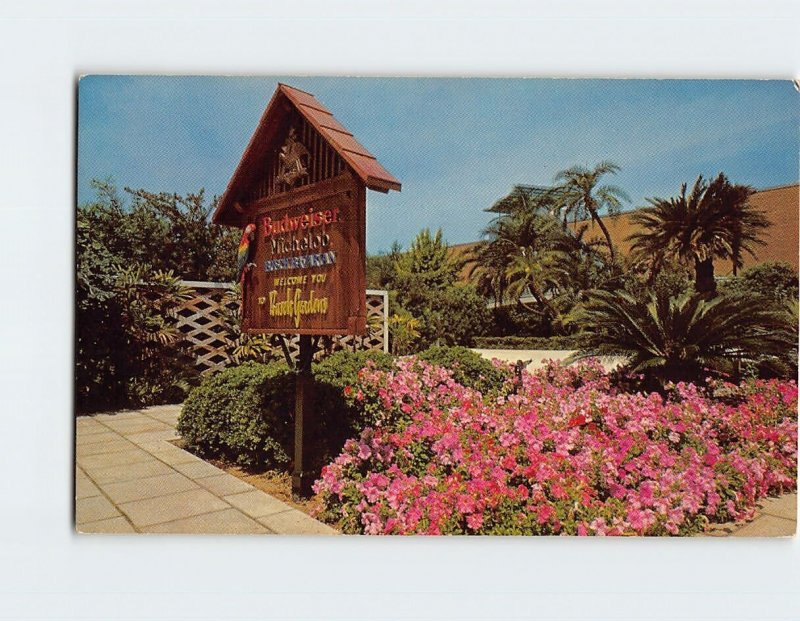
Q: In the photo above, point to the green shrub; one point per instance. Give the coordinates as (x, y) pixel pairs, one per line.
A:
(526, 342)
(468, 368)
(243, 414)
(341, 416)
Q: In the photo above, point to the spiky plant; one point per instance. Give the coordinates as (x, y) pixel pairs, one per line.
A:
(682, 338)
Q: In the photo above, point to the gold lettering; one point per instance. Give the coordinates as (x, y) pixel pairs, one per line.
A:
(295, 306)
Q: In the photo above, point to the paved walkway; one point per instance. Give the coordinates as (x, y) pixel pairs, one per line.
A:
(775, 517)
(130, 478)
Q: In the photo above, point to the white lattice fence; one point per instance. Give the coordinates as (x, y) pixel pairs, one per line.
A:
(207, 322)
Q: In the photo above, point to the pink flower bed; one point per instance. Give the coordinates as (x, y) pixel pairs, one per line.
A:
(566, 454)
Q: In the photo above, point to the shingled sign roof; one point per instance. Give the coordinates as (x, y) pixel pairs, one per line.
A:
(285, 99)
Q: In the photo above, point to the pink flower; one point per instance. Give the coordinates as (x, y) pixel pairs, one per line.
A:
(475, 521)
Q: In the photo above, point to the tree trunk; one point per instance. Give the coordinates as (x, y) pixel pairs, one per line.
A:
(607, 235)
(704, 277)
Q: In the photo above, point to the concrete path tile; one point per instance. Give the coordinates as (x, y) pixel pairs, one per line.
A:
(225, 485)
(295, 522)
(97, 438)
(88, 426)
(783, 507)
(168, 409)
(151, 487)
(153, 511)
(142, 425)
(129, 472)
(168, 416)
(148, 437)
(84, 488)
(97, 448)
(226, 522)
(169, 453)
(113, 525)
(93, 509)
(256, 503)
(118, 416)
(108, 460)
(767, 526)
(198, 469)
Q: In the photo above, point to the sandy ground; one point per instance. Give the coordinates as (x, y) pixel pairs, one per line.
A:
(537, 357)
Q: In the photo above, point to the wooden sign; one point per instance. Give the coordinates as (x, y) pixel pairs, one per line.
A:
(309, 263)
(302, 182)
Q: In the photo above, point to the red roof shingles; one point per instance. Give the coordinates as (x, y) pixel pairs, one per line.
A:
(363, 163)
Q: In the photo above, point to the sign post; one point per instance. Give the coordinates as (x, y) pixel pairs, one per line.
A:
(299, 192)
(303, 410)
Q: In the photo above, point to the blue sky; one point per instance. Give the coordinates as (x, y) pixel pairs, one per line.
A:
(456, 144)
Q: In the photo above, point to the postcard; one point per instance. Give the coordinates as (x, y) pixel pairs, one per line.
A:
(431, 306)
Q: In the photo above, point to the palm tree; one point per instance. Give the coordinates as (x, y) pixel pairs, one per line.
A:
(539, 272)
(582, 198)
(681, 338)
(715, 220)
(524, 220)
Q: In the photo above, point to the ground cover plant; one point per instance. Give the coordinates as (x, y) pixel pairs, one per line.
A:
(556, 452)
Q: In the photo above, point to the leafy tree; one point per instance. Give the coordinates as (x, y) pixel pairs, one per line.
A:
(538, 272)
(455, 317)
(166, 231)
(423, 271)
(776, 281)
(581, 196)
(714, 220)
(683, 338)
(130, 257)
(381, 268)
(98, 335)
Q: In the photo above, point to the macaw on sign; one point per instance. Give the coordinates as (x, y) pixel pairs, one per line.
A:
(243, 259)
(243, 264)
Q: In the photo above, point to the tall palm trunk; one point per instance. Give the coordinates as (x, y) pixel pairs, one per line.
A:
(596, 217)
(704, 281)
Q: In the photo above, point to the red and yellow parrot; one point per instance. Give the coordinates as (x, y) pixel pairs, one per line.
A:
(245, 255)
(243, 263)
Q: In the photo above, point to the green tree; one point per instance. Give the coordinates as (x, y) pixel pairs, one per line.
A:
(124, 329)
(381, 268)
(456, 316)
(531, 251)
(581, 196)
(714, 221)
(163, 230)
(425, 270)
(776, 281)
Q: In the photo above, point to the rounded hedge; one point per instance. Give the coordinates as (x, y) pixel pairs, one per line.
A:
(468, 368)
(242, 414)
(245, 414)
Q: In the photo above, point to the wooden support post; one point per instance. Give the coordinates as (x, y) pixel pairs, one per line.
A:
(302, 478)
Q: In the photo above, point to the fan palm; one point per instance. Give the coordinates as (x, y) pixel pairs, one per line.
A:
(681, 338)
(582, 197)
(714, 220)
